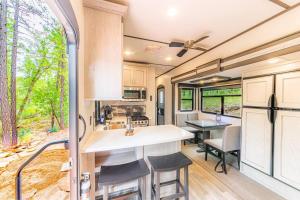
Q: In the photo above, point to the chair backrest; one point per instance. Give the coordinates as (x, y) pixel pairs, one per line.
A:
(192, 116)
(231, 138)
(180, 120)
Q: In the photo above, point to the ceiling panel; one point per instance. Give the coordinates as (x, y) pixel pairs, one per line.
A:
(220, 19)
(159, 56)
(290, 2)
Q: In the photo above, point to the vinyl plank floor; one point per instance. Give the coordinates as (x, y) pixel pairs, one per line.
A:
(206, 184)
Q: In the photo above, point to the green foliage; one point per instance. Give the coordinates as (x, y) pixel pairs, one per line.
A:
(25, 135)
(41, 62)
(222, 92)
(53, 129)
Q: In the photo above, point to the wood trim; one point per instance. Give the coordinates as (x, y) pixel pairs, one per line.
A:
(106, 6)
(217, 61)
(187, 85)
(173, 103)
(267, 56)
(145, 39)
(243, 32)
(281, 4)
(208, 72)
(263, 46)
(235, 81)
(183, 74)
(146, 63)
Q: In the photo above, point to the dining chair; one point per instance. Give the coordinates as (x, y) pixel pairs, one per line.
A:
(180, 122)
(229, 143)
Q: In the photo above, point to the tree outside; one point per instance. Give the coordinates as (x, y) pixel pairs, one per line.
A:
(33, 88)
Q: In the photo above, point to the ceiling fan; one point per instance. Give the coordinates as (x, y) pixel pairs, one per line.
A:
(190, 44)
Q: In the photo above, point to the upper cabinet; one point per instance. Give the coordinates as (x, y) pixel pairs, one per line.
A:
(134, 76)
(103, 50)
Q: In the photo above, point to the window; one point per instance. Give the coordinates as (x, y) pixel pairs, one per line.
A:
(225, 101)
(186, 100)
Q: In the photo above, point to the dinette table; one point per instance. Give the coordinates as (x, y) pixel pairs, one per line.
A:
(205, 126)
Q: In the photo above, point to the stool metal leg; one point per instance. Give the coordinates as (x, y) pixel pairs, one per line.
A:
(178, 182)
(152, 184)
(157, 186)
(186, 183)
(105, 192)
(143, 187)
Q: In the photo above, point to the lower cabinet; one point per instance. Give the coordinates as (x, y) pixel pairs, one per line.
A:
(256, 139)
(287, 148)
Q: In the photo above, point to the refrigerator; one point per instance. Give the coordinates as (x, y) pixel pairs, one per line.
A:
(271, 125)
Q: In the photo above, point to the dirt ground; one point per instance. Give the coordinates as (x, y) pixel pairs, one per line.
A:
(43, 178)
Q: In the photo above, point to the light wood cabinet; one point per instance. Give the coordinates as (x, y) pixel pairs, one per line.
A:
(257, 139)
(257, 91)
(103, 59)
(134, 76)
(287, 148)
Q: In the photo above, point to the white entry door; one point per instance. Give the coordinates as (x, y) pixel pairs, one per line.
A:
(287, 148)
(257, 139)
(257, 91)
(287, 90)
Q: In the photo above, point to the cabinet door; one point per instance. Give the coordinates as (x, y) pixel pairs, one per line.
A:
(287, 148)
(103, 57)
(127, 77)
(139, 77)
(256, 139)
(257, 91)
(287, 87)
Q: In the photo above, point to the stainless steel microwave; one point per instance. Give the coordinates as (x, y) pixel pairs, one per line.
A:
(134, 94)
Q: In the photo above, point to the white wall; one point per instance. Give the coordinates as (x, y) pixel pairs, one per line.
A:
(276, 28)
(86, 108)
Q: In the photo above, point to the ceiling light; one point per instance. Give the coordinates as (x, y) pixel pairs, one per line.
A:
(168, 58)
(128, 53)
(172, 12)
(273, 60)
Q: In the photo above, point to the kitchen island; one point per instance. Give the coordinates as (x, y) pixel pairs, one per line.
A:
(113, 147)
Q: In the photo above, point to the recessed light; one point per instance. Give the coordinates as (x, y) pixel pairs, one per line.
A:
(172, 12)
(273, 60)
(168, 58)
(128, 53)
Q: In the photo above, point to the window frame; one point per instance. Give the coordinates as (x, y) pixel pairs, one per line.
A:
(222, 100)
(180, 99)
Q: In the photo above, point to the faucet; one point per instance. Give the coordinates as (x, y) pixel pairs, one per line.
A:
(129, 129)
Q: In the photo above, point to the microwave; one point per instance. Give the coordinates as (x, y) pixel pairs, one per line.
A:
(134, 94)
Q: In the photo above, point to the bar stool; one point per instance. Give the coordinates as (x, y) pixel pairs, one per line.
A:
(169, 163)
(118, 174)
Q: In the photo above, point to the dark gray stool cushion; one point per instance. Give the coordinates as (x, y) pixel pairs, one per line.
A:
(116, 174)
(169, 162)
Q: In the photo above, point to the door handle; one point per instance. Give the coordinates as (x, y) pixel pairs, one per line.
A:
(84, 127)
(271, 100)
(270, 113)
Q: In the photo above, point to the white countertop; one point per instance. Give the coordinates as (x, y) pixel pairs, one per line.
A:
(115, 139)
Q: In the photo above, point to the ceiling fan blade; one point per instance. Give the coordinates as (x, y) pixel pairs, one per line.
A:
(182, 52)
(199, 48)
(176, 44)
(200, 39)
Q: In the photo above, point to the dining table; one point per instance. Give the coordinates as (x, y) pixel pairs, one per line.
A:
(205, 126)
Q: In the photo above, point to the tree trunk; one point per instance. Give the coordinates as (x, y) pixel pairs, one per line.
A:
(62, 94)
(13, 75)
(29, 90)
(4, 101)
